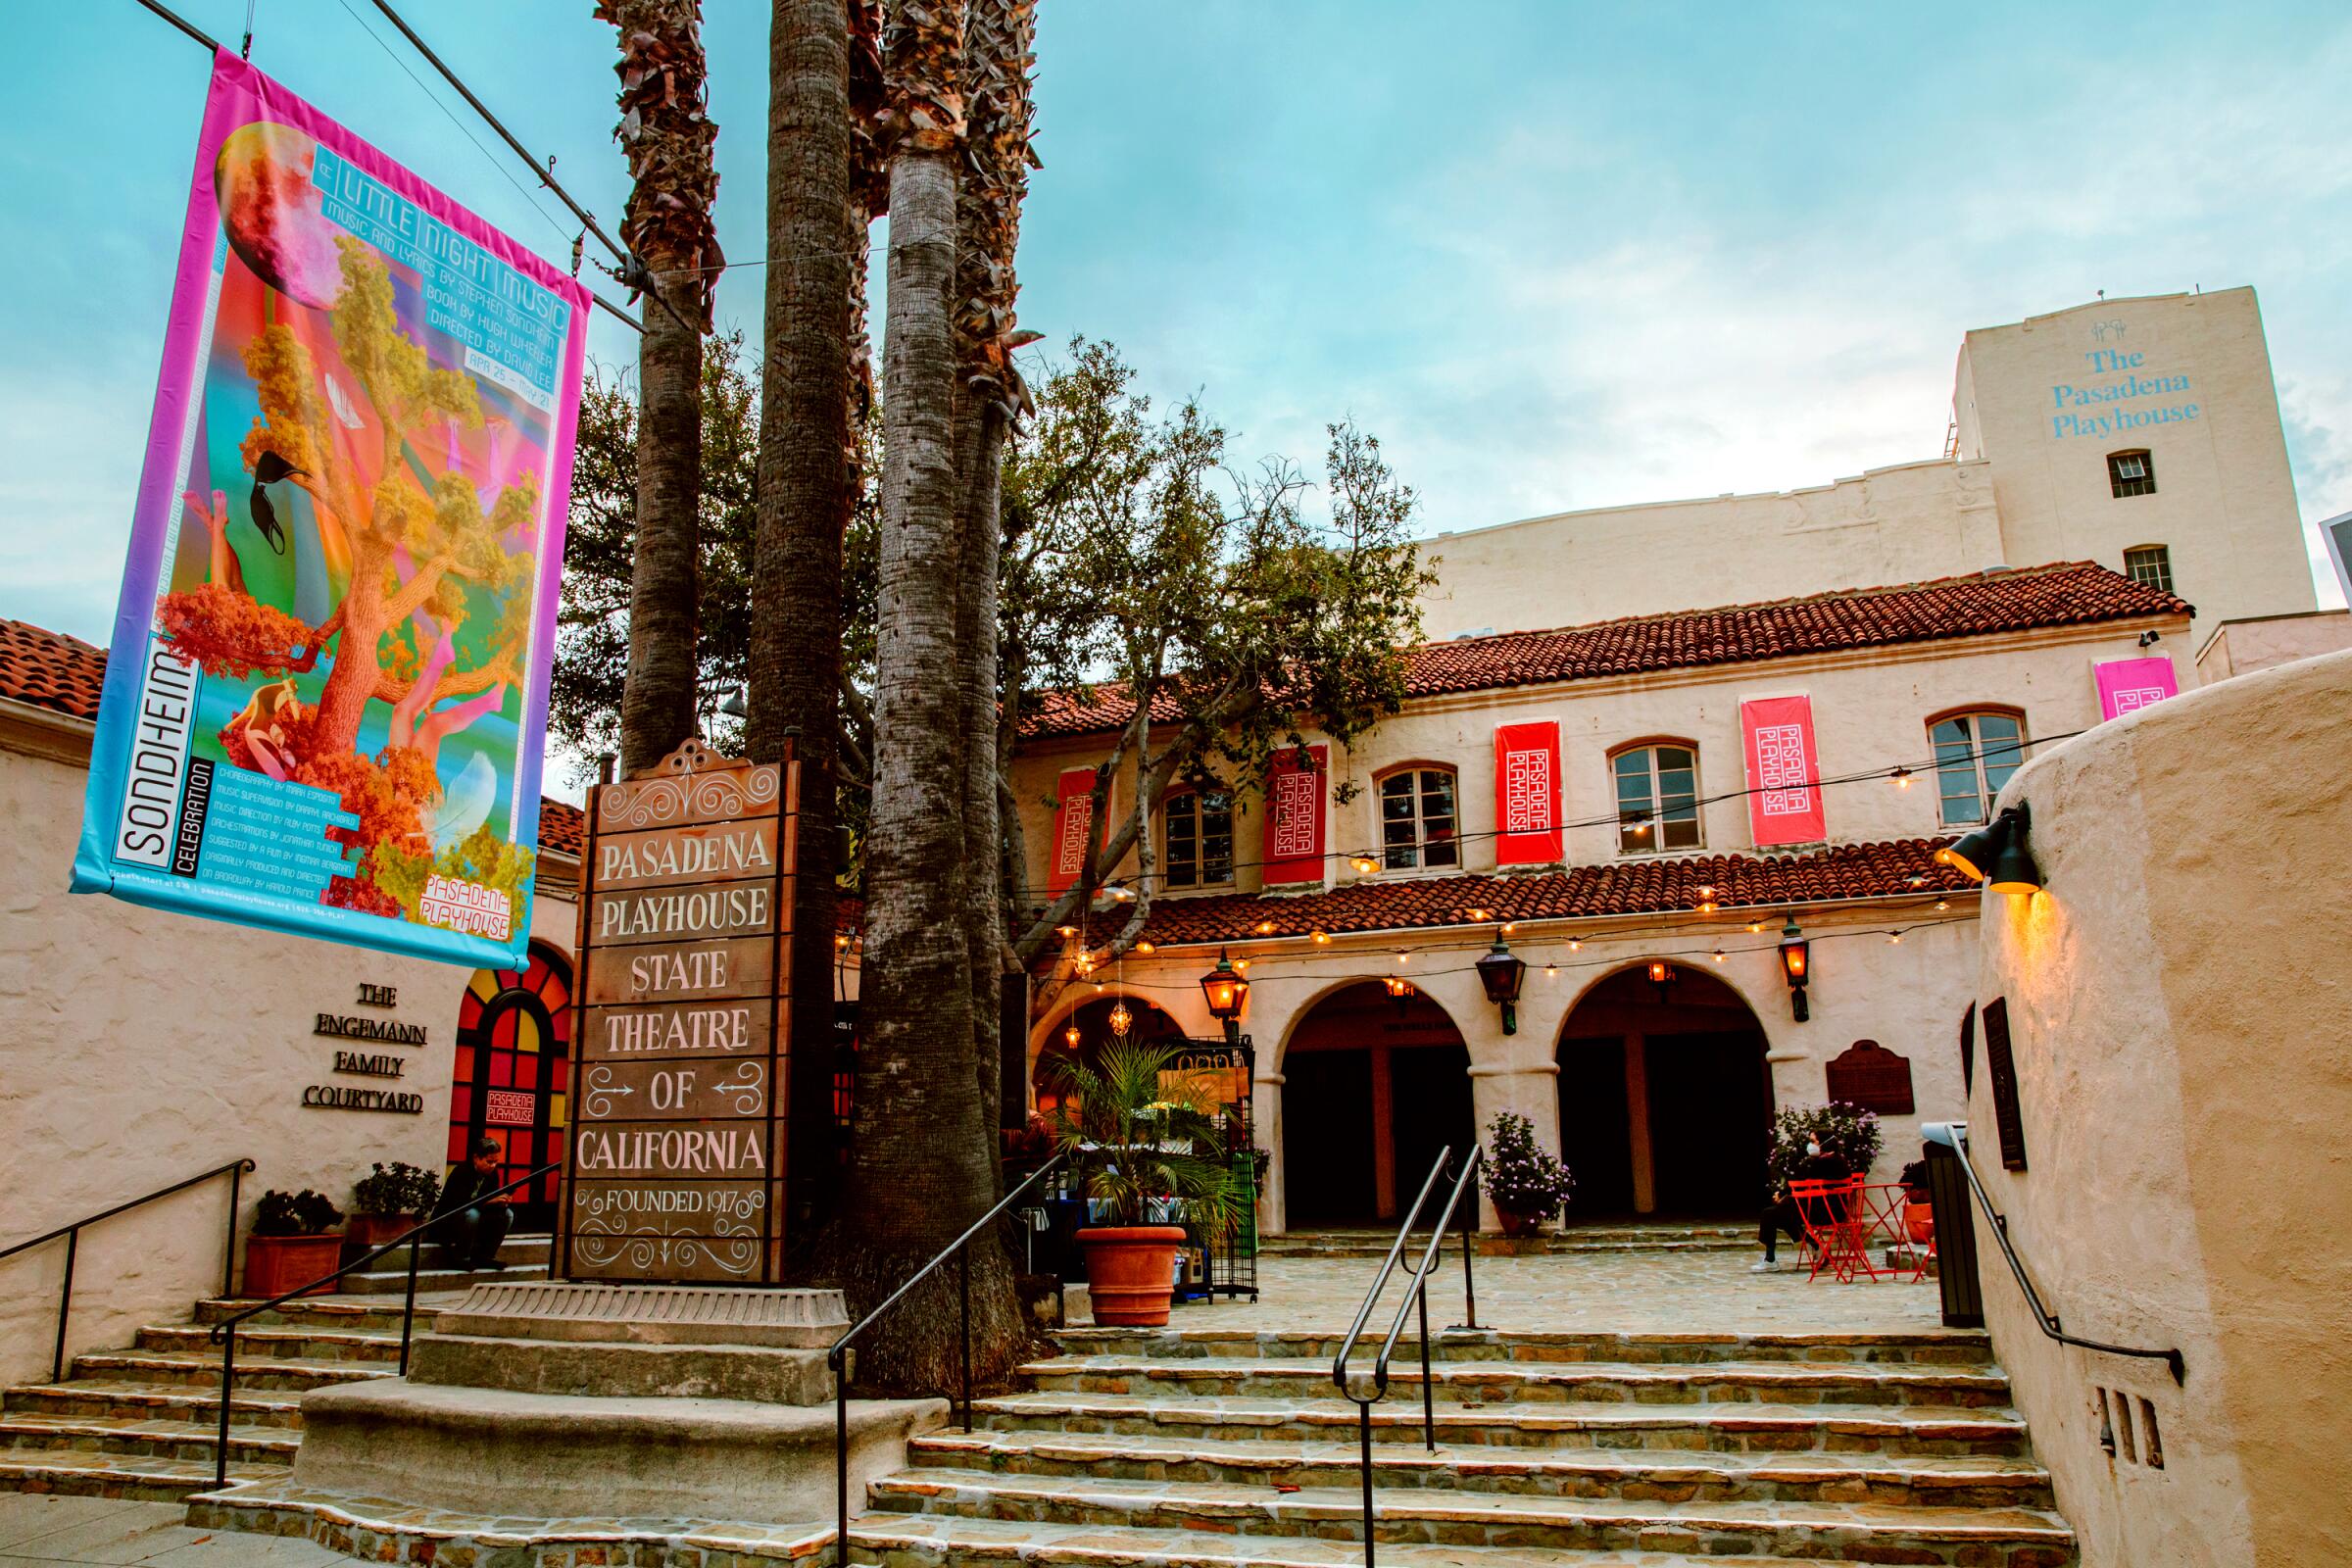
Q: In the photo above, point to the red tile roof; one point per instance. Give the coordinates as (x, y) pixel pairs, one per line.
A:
(2071, 593)
(64, 675)
(1639, 885)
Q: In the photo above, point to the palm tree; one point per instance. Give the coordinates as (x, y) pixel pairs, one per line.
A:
(808, 485)
(668, 139)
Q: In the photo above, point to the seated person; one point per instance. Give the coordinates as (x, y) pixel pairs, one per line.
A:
(470, 1227)
(1783, 1214)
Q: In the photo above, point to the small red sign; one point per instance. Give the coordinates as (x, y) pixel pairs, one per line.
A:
(1295, 815)
(1784, 778)
(1526, 793)
(510, 1108)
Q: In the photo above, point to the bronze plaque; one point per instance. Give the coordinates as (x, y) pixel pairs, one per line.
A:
(646, 1091)
(708, 1030)
(682, 971)
(717, 851)
(1869, 1075)
(635, 1230)
(733, 1150)
(690, 914)
(725, 792)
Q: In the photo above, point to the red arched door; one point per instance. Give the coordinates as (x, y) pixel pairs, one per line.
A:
(514, 1076)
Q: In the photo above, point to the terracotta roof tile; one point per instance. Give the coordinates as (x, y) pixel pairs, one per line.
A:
(66, 675)
(1635, 886)
(2070, 593)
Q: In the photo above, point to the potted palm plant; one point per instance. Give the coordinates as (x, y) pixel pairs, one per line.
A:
(293, 1241)
(1144, 1150)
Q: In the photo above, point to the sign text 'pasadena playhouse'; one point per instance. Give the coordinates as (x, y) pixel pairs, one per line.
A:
(676, 1143)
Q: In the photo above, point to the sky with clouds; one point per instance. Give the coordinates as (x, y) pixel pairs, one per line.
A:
(1556, 254)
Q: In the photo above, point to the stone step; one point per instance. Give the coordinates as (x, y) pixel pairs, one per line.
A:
(132, 1478)
(358, 1313)
(1577, 1240)
(259, 1342)
(937, 1541)
(147, 1439)
(1933, 1348)
(394, 1281)
(1512, 1382)
(1903, 1431)
(201, 1370)
(1991, 1538)
(1653, 1476)
(110, 1399)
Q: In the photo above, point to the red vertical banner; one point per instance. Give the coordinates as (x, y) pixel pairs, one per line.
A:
(1295, 802)
(1073, 823)
(1783, 776)
(1526, 793)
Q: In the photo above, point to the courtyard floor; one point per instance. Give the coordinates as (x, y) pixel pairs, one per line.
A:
(1635, 1292)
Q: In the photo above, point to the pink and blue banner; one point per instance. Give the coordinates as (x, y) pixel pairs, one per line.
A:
(328, 682)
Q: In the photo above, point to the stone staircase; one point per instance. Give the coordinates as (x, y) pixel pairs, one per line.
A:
(1185, 1448)
(141, 1423)
(1575, 1240)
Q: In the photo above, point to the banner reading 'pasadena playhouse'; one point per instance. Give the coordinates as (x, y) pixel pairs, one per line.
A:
(328, 679)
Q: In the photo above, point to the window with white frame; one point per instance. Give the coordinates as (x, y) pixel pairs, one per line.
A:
(1418, 819)
(1196, 840)
(1657, 799)
(2130, 473)
(1974, 755)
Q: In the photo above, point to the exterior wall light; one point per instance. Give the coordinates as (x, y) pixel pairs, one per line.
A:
(1365, 864)
(1796, 966)
(1996, 855)
(1502, 973)
(1662, 975)
(1400, 990)
(1227, 993)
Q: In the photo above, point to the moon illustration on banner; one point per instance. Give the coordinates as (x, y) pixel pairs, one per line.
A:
(273, 215)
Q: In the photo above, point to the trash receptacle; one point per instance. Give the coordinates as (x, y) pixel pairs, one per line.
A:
(1955, 1239)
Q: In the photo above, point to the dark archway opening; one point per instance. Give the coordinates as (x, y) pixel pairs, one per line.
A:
(1665, 1098)
(1093, 1021)
(1372, 1090)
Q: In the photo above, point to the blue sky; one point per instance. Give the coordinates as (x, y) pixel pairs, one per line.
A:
(1557, 255)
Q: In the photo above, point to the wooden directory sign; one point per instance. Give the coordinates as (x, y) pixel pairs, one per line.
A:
(675, 1164)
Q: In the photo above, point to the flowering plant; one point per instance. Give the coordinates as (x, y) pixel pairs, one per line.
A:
(1519, 1177)
(1844, 1131)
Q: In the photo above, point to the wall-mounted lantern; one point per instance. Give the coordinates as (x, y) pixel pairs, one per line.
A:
(1796, 966)
(1400, 990)
(1662, 975)
(1501, 972)
(1227, 993)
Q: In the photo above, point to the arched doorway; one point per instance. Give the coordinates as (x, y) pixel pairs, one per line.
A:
(513, 1076)
(1093, 1020)
(1373, 1086)
(1665, 1098)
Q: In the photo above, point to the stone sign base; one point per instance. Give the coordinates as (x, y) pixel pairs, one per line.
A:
(563, 1402)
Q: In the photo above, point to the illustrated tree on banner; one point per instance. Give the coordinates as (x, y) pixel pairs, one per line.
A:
(359, 420)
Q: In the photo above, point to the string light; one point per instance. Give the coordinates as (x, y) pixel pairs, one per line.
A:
(1265, 928)
(1894, 939)
(1365, 864)
(1576, 944)
(1322, 939)
(1145, 948)
(1065, 931)
(1400, 954)
(1755, 927)
(1942, 903)
(1901, 777)
(1551, 971)
(1718, 954)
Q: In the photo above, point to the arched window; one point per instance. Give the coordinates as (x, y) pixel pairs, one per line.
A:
(1974, 755)
(2131, 473)
(1419, 819)
(1196, 840)
(1657, 799)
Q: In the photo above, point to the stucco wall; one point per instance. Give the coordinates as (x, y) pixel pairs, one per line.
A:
(137, 1047)
(2241, 647)
(2225, 499)
(1895, 524)
(2180, 1009)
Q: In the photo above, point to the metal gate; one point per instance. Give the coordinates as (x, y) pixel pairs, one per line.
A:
(1229, 1071)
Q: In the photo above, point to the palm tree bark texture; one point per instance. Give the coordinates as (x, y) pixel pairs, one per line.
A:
(668, 139)
(923, 1165)
(808, 485)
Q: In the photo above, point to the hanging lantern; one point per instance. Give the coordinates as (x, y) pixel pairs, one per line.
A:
(1069, 1036)
(1121, 1021)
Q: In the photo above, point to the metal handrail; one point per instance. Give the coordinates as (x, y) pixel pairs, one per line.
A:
(235, 1170)
(1416, 1299)
(837, 1356)
(224, 1329)
(2044, 1318)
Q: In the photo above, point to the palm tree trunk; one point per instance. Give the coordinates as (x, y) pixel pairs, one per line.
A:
(808, 479)
(668, 140)
(922, 1168)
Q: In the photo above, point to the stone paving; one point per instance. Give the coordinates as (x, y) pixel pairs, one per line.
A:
(49, 1530)
(1702, 1292)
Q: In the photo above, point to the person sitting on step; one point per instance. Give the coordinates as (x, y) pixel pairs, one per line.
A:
(462, 1221)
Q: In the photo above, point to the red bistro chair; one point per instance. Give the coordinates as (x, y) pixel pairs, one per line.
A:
(1836, 1225)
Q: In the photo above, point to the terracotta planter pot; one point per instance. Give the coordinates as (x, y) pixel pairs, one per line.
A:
(1918, 1220)
(363, 1233)
(276, 1264)
(1131, 1272)
(1515, 1223)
